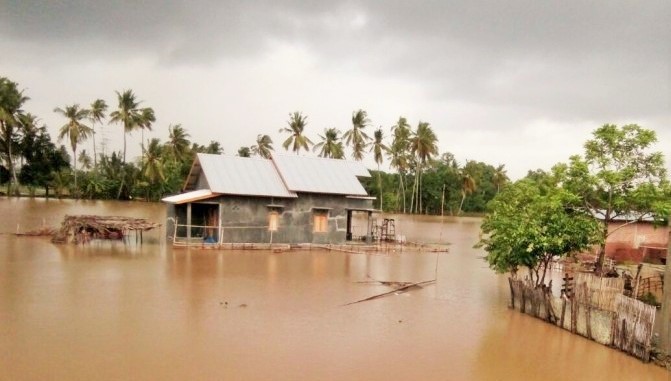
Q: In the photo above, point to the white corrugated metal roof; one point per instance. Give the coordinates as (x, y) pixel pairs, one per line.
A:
(192, 196)
(242, 176)
(320, 175)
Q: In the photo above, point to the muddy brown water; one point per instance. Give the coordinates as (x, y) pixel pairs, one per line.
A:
(114, 311)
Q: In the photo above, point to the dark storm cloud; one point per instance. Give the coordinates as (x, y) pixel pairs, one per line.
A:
(598, 60)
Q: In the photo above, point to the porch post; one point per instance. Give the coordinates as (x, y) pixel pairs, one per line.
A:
(188, 222)
(220, 239)
(369, 233)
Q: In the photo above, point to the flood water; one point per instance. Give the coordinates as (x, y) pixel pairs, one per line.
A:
(114, 311)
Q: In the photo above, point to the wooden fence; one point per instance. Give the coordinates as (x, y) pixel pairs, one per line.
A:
(598, 292)
(632, 329)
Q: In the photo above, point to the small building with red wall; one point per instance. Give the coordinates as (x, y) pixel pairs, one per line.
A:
(640, 241)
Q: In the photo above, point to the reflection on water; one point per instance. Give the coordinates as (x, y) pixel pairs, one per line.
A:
(114, 311)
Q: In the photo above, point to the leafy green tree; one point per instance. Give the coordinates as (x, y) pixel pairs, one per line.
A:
(43, 159)
(500, 177)
(61, 181)
(263, 146)
(297, 140)
(529, 228)
(423, 145)
(152, 169)
(11, 101)
(356, 137)
(75, 130)
(85, 160)
(96, 115)
(330, 145)
(619, 178)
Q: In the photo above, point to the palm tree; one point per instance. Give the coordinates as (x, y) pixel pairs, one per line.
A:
(97, 114)
(152, 163)
(244, 152)
(178, 144)
(423, 144)
(297, 140)
(500, 177)
(263, 146)
(74, 129)
(130, 115)
(468, 186)
(399, 152)
(356, 137)
(330, 146)
(214, 148)
(84, 159)
(11, 101)
(378, 147)
(148, 118)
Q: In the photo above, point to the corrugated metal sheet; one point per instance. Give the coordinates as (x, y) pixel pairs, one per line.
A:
(196, 195)
(319, 175)
(242, 176)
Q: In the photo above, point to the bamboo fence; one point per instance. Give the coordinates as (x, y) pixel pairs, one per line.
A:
(598, 292)
(632, 331)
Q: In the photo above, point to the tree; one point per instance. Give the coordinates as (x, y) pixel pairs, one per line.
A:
(500, 177)
(244, 152)
(43, 159)
(330, 145)
(527, 227)
(296, 139)
(85, 160)
(378, 147)
(178, 143)
(263, 146)
(468, 186)
(423, 144)
(11, 101)
(618, 178)
(214, 148)
(74, 129)
(399, 153)
(130, 115)
(356, 137)
(148, 118)
(96, 115)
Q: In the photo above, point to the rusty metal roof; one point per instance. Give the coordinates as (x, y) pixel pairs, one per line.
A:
(320, 175)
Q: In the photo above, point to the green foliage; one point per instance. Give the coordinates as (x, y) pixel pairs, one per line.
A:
(528, 227)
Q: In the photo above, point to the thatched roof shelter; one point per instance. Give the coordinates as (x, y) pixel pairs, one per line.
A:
(86, 227)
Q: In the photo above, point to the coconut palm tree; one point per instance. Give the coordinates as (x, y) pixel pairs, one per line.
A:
(74, 129)
(152, 163)
(263, 146)
(399, 153)
(500, 177)
(214, 148)
(244, 152)
(356, 137)
(423, 144)
(330, 146)
(378, 148)
(97, 114)
(84, 159)
(468, 186)
(178, 142)
(11, 101)
(148, 118)
(296, 139)
(130, 115)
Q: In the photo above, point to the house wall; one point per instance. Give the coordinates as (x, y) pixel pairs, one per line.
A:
(637, 242)
(244, 219)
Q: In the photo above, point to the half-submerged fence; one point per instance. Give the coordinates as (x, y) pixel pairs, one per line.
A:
(592, 307)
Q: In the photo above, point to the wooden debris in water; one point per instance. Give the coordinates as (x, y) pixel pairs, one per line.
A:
(394, 291)
(83, 228)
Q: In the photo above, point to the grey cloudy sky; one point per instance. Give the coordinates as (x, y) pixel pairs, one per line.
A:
(521, 83)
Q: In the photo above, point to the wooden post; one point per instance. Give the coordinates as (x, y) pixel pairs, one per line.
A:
(665, 331)
(512, 293)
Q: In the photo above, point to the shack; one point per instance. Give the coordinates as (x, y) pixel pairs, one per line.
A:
(286, 199)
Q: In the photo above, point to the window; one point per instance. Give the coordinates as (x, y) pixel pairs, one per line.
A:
(321, 223)
(273, 221)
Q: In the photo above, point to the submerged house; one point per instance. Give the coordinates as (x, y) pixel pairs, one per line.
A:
(287, 199)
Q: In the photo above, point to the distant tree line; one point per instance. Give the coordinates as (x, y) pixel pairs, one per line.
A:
(423, 180)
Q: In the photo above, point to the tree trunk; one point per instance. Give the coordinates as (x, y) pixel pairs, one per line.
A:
(93, 136)
(602, 250)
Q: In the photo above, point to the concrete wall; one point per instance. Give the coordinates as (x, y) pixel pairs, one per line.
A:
(245, 219)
